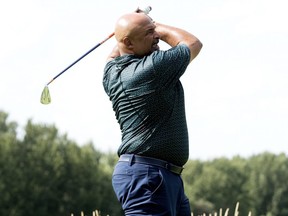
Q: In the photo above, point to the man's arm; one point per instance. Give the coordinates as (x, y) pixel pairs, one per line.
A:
(115, 53)
(174, 36)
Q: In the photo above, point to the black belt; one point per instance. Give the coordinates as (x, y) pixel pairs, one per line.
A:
(153, 161)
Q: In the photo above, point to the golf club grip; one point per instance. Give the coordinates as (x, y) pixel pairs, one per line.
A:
(146, 10)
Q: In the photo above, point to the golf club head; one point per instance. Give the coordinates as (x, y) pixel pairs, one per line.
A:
(45, 96)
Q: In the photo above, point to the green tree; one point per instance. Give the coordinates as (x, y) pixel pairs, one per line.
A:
(48, 174)
(8, 165)
(268, 184)
(193, 170)
(216, 184)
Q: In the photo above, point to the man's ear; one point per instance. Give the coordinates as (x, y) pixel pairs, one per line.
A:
(128, 43)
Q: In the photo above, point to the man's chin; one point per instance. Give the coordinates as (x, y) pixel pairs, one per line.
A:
(155, 48)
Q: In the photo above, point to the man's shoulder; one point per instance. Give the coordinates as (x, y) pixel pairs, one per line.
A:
(172, 55)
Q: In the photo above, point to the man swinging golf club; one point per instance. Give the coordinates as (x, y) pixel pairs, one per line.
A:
(143, 85)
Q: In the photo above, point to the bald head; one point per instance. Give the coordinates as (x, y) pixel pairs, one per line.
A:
(130, 24)
(135, 34)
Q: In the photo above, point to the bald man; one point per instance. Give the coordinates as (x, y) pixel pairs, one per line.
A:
(143, 85)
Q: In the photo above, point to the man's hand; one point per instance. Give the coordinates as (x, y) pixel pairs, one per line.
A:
(145, 11)
(115, 53)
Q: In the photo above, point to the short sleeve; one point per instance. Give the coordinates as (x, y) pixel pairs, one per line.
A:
(170, 65)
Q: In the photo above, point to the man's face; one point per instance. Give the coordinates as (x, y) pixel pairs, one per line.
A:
(145, 39)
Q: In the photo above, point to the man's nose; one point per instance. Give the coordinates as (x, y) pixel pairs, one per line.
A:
(156, 35)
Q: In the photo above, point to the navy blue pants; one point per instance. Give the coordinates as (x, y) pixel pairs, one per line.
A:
(145, 189)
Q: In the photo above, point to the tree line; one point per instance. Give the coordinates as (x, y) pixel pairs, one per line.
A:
(46, 173)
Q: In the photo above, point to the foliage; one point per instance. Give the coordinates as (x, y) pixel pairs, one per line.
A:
(45, 173)
(259, 183)
(48, 174)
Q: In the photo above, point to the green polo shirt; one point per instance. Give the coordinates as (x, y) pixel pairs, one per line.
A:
(148, 99)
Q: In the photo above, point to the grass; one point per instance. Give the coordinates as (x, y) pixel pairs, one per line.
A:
(226, 213)
(220, 213)
(94, 213)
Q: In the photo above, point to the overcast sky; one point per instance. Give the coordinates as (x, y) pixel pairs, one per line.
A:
(236, 90)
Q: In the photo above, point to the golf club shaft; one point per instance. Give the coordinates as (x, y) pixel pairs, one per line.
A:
(146, 11)
(111, 35)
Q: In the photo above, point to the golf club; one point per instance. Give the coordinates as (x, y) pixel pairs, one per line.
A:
(45, 96)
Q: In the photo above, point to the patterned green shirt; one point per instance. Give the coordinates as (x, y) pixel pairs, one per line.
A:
(148, 100)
